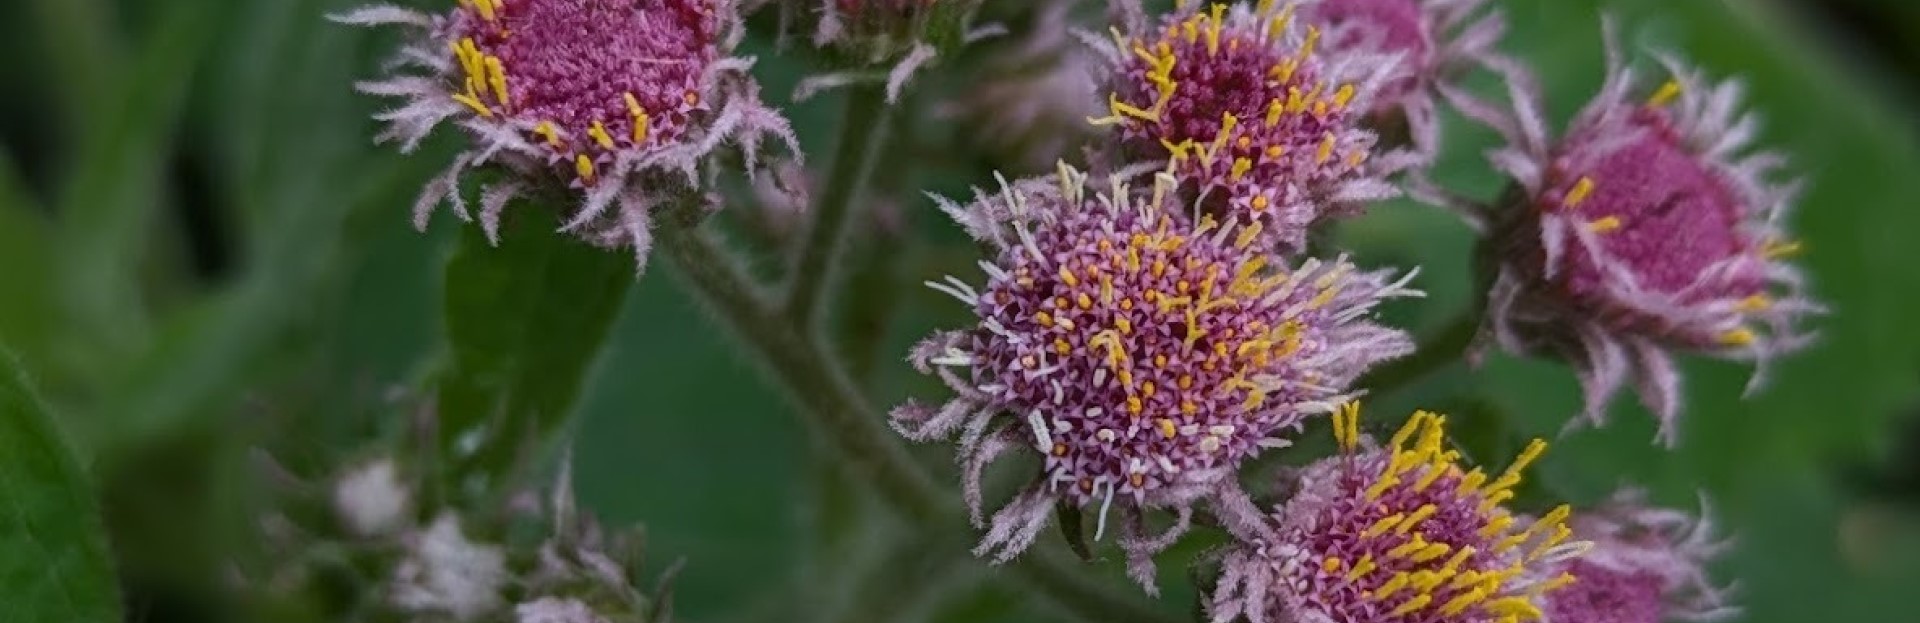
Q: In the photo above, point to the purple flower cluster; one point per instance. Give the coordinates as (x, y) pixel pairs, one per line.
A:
(1645, 229)
(1142, 354)
(1397, 534)
(622, 101)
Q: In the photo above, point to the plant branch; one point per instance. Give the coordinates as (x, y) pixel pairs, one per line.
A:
(863, 129)
(835, 409)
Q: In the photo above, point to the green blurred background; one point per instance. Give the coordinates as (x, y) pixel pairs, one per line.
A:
(202, 255)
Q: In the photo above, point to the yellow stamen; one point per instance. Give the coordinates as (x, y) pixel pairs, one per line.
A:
(1666, 94)
(1412, 605)
(1604, 225)
(584, 166)
(1754, 304)
(600, 135)
(1738, 337)
(1581, 189)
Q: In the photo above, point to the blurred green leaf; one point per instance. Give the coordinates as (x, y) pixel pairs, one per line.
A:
(524, 320)
(53, 553)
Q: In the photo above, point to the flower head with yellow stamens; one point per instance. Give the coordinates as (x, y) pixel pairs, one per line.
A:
(1647, 565)
(624, 102)
(1436, 39)
(1142, 357)
(1398, 534)
(1645, 229)
(1249, 115)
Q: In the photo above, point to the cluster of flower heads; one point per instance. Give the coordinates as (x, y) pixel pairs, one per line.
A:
(625, 102)
(1147, 340)
(1147, 330)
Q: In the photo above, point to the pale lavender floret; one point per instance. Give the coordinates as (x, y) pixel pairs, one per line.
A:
(1644, 230)
(626, 103)
(1087, 355)
(1647, 565)
(1438, 40)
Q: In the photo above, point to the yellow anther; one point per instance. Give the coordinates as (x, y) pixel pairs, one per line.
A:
(1166, 428)
(1581, 189)
(1343, 96)
(1562, 581)
(1419, 515)
(1434, 472)
(1431, 552)
(1513, 606)
(1326, 149)
(583, 166)
(1472, 481)
(1391, 586)
(1061, 347)
(1125, 326)
(1532, 453)
(1186, 381)
(1134, 406)
(545, 131)
(600, 135)
(486, 9)
(1362, 568)
(1411, 606)
(1496, 526)
(1382, 526)
(1465, 600)
(1738, 337)
(1666, 94)
(1240, 167)
(1776, 249)
(1495, 499)
(1331, 564)
(1086, 302)
(1459, 557)
(1274, 109)
(497, 78)
(1213, 29)
(642, 122)
(473, 103)
(1754, 304)
(1045, 319)
(1604, 225)
(1313, 39)
(1146, 389)
(1415, 544)
(1066, 275)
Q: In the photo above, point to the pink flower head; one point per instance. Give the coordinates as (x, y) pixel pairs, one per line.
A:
(1141, 357)
(1435, 39)
(1249, 115)
(623, 101)
(1641, 231)
(1647, 565)
(1398, 534)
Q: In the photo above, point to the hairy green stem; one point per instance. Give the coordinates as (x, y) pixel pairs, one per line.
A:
(834, 408)
(863, 128)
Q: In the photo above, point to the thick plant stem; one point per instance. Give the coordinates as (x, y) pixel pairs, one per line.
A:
(854, 429)
(797, 362)
(864, 128)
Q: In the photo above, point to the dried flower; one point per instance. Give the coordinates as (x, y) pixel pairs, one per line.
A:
(445, 573)
(1435, 39)
(1647, 566)
(1399, 534)
(1142, 356)
(1640, 232)
(371, 500)
(1249, 116)
(622, 101)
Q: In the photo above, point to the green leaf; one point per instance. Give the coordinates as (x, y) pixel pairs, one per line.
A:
(523, 319)
(54, 564)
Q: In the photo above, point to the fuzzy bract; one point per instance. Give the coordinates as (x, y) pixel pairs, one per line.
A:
(1644, 230)
(1143, 358)
(1397, 534)
(1250, 114)
(1647, 565)
(623, 102)
(1436, 41)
